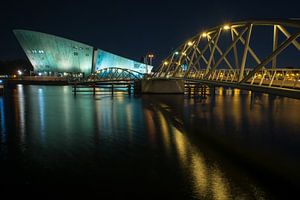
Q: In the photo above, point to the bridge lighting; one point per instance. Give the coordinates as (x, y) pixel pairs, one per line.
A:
(166, 62)
(190, 43)
(204, 34)
(176, 53)
(183, 53)
(226, 27)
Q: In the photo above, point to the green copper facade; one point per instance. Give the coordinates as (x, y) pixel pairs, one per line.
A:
(49, 53)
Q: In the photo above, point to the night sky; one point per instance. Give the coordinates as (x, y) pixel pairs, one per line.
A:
(129, 28)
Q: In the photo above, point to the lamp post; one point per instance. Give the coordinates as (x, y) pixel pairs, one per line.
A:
(150, 56)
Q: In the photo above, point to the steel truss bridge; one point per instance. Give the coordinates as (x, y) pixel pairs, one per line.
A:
(252, 55)
(114, 74)
(109, 80)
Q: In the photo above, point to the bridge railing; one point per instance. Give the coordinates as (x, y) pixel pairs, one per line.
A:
(285, 78)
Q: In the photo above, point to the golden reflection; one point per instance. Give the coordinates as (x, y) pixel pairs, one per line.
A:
(220, 91)
(195, 165)
(236, 91)
(200, 174)
(181, 146)
(165, 131)
(219, 185)
(150, 125)
(129, 120)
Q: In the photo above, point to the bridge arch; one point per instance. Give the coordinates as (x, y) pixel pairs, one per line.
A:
(227, 51)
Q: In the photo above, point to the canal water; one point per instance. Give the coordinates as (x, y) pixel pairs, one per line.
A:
(233, 145)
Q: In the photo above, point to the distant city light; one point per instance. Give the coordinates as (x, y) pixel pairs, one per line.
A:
(150, 55)
(19, 72)
(40, 74)
(176, 53)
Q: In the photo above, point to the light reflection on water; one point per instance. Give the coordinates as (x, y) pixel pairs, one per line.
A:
(183, 145)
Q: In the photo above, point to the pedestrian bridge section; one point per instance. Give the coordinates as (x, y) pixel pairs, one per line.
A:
(254, 54)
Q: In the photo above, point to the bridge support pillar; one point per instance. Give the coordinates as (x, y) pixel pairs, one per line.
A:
(94, 89)
(163, 86)
(129, 89)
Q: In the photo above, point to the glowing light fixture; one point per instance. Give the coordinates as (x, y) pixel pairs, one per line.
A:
(190, 43)
(204, 34)
(226, 27)
(176, 53)
(166, 62)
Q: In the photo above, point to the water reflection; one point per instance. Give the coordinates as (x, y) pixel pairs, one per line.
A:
(190, 146)
(2, 122)
(41, 107)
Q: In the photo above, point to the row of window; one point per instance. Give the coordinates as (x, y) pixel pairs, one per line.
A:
(76, 54)
(35, 51)
(81, 48)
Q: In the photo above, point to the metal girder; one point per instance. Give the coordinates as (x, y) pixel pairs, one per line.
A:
(115, 73)
(193, 55)
(275, 42)
(236, 57)
(213, 51)
(244, 57)
(228, 49)
(225, 59)
(249, 48)
(202, 60)
(270, 57)
(287, 34)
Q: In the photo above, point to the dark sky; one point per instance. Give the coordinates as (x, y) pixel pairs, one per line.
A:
(129, 28)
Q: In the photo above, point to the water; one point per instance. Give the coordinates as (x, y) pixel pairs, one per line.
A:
(233, 145)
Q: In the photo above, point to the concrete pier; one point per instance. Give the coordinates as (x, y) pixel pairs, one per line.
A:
(163, 86)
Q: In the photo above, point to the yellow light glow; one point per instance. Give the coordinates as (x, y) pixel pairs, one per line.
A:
(166, 62)
(150, 55)
(226, 27)
(190, 43)
(204, 34)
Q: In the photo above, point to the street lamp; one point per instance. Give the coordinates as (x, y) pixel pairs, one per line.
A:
(150, 56)
(19, 72)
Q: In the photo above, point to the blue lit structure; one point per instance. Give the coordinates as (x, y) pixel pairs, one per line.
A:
(52, 55)
(105, 59)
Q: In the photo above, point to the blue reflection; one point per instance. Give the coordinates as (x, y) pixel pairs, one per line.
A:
(3, 129)
(41, 112)
(21, 104)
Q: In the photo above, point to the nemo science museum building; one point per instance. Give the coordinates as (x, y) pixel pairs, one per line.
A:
(51, 55)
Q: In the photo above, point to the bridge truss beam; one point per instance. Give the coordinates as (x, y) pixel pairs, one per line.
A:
(230, 48)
